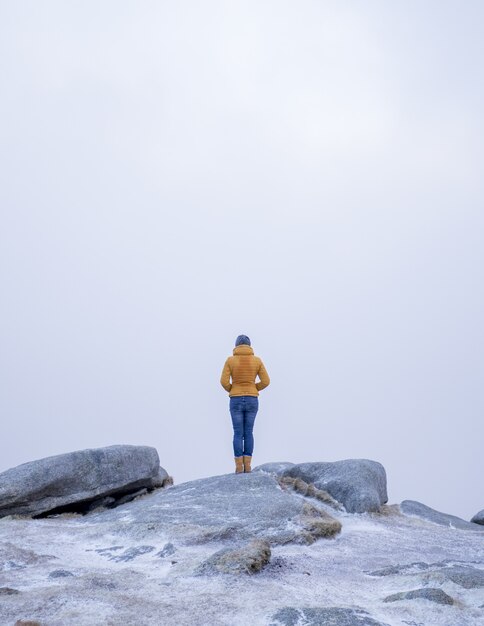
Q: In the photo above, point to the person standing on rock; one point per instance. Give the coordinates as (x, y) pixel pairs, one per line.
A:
(243, 367)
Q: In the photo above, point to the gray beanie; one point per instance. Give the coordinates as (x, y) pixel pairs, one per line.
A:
(242, 339)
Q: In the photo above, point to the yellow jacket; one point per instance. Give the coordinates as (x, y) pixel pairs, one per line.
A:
(243, 367)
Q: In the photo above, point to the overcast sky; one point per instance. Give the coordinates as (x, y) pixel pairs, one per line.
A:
(309, 173)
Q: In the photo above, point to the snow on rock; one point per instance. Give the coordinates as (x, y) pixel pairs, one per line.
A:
(78, 479)
(426, 593)
(412, 507)
(179, 557)
(228, 507)
(323, 617)
(463, 575)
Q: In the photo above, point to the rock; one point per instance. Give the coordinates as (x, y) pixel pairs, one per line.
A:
(167, 550)
(277, 468)
(8, 591)
(247, 559)
(462, 575)
(359, 484)
(441, 572)
(65, 481)
(336, 616)
(417, 509)
(27, 622)
(125, 570)
(428, 593)
(236, 507)
(98, 502)
(478, 518)
(130, 496)
(15, 558)
(161, 480)
(102, 582)
(60, 573)
(409, 568)
(130, 553)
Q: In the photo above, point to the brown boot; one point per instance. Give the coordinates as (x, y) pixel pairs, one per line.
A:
(239, 464)
(247, 460)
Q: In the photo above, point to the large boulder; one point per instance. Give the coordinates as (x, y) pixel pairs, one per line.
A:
(478, 518)
(79, 478)
(359, 484)
(230, 507)
(417, 509)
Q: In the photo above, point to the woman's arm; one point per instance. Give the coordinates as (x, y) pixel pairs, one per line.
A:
(265, 381)
(225, 378)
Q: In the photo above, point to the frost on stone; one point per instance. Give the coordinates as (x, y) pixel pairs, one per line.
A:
(428, 593)
(312, 564)
(464, 576)
(289, 616)
(8, 591)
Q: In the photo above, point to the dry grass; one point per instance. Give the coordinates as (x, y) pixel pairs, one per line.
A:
(310, 491)
(318, 523)
(387, 510)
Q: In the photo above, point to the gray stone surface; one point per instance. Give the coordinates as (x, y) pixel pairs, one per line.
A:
(412, 507)
(409, 568)
(336, 616)
(135, 564)
(246, 559)
(167, 550)
(461, 575)
(277, 468)
(60, 573)
(8, 591)
(126, 555)
(478, 518)
(78, 478)
(359, 484)
(428, 593)
(228, 507)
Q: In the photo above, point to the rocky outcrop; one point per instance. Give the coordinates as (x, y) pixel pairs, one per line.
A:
(427, 593)
(247, 559)
(462, 575)
(235, 507)
(359, 484)
(289, 616)
(417, 509)
(79, 480)
(478, 518)
(227, 549)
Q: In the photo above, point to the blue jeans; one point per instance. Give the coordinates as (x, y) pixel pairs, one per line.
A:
(243, 410)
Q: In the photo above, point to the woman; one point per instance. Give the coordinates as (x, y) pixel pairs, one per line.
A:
(243, 367)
